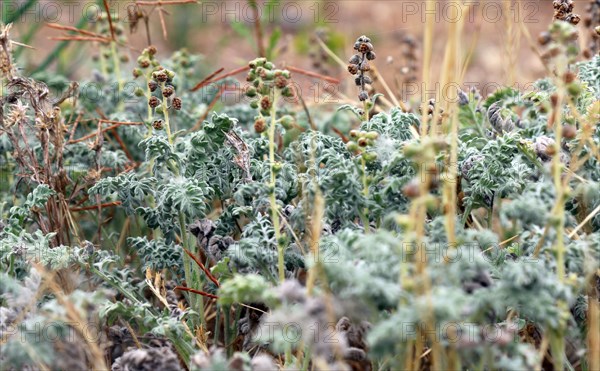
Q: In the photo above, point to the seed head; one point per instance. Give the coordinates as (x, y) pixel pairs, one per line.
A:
(260, 125)
(157, 124)
(355, 59)
(569, 131)
(265, 103)
(177, 103)
(153, 102)
(168, 91)
(152, 85)
(144, 63)
(281, 82)
(160, 76)
(463, 98)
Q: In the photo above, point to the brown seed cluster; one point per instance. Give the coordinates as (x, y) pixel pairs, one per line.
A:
(160, 80)
(563, 11)
(361, 143)
(266, 81)
(359, 64)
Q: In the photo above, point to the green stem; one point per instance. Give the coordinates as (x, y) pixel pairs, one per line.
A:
(217, 326)
(226, 313)
(8, 17)
(274, 207)
(117, 67)
(165, 108)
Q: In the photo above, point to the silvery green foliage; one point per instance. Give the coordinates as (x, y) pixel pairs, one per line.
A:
(158, 255)
(47, 331)
(504, 170)
(18, 214)
(326, 163)
(500, 170)
(589, 72)
(256, 251)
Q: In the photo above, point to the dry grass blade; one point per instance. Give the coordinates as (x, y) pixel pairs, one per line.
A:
(61, 27)
(80, 38)
(197, 292)
(110, 21)
(587, 219)
(204, 269)
(207, 79)
(313, 74)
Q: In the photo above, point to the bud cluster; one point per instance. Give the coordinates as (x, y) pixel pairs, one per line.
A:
(159, 79)
(563, 11)
(560, 39)
(359, 64)
(361, 142)
(265, 81)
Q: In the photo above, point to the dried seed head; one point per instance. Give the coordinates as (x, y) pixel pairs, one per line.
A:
(554, 99)
(569, 131)
(152, 85)
(365, 47)
(153, 102)
(260, 125)
(569, 77)
(371, 55)
(281, 82)
(160, 76)
(265, 103)
(137, 73)
(463, 98)
(168, 91)
(363, 96)
(353, 68)
(177, 103)
(544, 38)
(144, 63)
(574, 19)
(151, 50)
(18, 113)
(355, 59)
(411, 189)
(157, 124)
